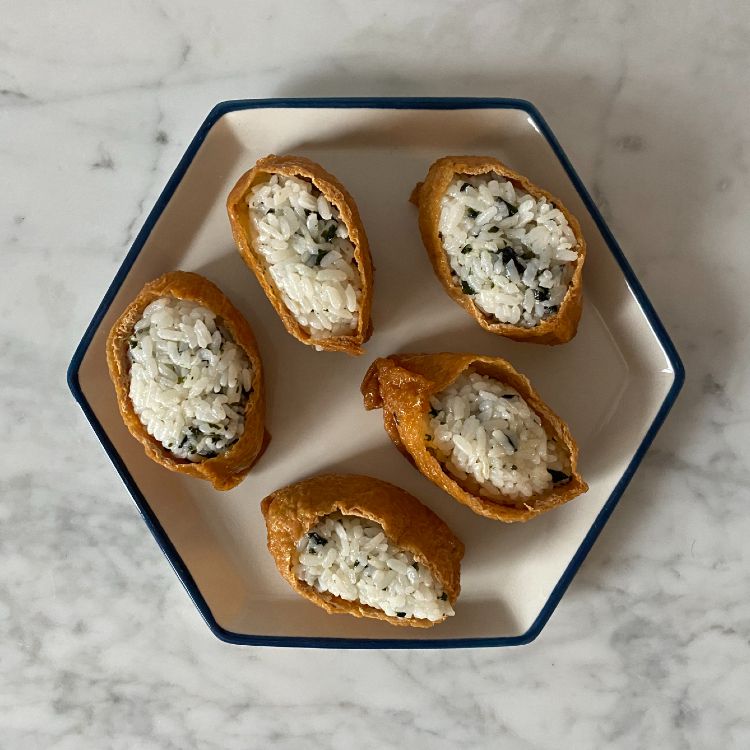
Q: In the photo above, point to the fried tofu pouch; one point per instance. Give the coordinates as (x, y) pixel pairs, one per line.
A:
(401, 385)
(230, 467)
(556, 329)
(244, 232)
(292, 511)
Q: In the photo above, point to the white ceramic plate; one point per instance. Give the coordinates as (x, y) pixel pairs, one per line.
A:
(613, 384)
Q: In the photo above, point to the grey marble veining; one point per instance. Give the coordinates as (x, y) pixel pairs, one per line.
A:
(102, 648)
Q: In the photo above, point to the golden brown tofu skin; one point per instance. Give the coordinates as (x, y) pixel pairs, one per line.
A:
(230, 467)
(427, 196)
(245, 236)
(401, 385)
(290, 512)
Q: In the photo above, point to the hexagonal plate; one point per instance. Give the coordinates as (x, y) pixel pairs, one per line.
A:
(613, 384)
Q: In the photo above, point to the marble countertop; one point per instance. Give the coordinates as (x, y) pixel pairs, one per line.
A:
(100, 645)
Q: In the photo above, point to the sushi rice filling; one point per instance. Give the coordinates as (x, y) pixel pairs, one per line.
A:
(513, 254)
(352, 558)
(483, 430)
(189, 382)
(309, 255)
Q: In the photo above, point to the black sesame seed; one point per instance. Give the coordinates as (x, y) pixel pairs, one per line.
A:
(315, 537)
(493, 230)
(508, 254)
(319, 257)
(465, 249)
(472, 213)
(511, 209)
(356, 563)
(509, 395)
(400, 614)
(558, 476)
(433, 412)
(329, 233)
(443, 597)
(541, 294)
(467, 288)
(463, 187)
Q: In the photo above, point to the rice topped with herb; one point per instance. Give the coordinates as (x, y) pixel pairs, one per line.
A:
(310, 257)
(189, 381)
(483, 430)
(352, 558)
(512, 253)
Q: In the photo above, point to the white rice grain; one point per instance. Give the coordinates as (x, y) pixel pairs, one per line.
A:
(189, 381)
(351, 557)
(309, 254)
(512, 253)
(483, 429)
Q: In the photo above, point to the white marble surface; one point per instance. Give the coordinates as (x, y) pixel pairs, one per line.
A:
(100, 645)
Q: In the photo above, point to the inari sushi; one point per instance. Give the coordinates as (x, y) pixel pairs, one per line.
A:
(506, 250)
(476, 428)
(357, 545)
(299, 231)
(189, 379)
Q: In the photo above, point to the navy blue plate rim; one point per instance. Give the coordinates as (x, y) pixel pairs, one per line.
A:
(152, 522)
